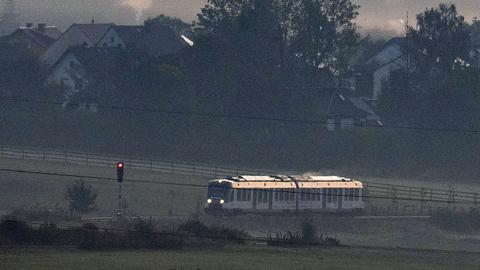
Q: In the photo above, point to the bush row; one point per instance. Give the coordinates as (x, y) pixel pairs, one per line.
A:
(139, 235)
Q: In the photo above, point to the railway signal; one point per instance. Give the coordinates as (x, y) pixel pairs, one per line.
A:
(120, 168)
(120, 171)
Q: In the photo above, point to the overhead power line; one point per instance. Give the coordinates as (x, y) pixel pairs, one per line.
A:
(240, 117)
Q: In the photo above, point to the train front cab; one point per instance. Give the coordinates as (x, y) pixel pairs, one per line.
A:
(219, 195)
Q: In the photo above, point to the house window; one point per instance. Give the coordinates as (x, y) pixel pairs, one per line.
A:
(112, 39)
(72, 64)
(331, 124)
(346, 123)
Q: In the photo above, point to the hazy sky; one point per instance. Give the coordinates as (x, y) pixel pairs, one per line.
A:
(380, 14)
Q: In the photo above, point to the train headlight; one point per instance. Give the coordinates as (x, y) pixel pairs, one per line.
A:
(209, 201)
(222, 201)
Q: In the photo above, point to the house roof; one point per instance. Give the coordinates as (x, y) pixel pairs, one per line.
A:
(129, 33)
(43, 39)
(94, 32)
(323, 103)
(401, 41)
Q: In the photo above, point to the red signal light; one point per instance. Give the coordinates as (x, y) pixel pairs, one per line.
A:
(120, 168)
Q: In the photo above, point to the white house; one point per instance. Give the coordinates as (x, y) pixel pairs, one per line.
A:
(81, 67)
(87, 35)
(392, 57)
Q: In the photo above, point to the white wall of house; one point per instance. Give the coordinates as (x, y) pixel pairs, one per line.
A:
(111, 39)
(72, 37)
(69, 73)
(389, 60)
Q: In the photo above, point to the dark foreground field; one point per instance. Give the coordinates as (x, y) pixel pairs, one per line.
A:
(237, 258)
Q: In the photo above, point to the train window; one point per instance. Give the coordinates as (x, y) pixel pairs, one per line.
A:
(244, 195)
(281, 194)
(356, 194)
(292, 194)
(266, 193)
(239, 194)
(308, 194)
(329, 195)
(334, 195)
(249, 195)
(276, 194)
(302, 195)
(319, 192)
(259, 195)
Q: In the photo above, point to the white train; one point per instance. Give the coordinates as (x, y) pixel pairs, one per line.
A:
(282, 193)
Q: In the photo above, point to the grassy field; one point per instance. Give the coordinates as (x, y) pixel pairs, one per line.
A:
(47, 192)
(27, 190)
(237, 258)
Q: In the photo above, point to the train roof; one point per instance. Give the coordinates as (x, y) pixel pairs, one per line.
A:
(290, 181)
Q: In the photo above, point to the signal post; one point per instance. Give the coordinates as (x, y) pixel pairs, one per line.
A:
(120, 172)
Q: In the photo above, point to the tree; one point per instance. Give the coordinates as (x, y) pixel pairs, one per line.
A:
(240, 39)
(440, 40)
(325, 34)
(442, 83)
(81, 198)
(180, 27)
(475, 33)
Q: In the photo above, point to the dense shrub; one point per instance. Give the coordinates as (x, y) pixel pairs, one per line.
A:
(220, 235)
(141, 234)
(14, 231)
(307, 237)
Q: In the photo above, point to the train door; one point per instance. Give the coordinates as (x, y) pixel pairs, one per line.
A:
(254, 199)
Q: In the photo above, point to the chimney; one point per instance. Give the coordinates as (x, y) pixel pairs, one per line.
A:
(29, 25)
(42, 27)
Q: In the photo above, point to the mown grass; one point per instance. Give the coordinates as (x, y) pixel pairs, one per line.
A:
(237, 258)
